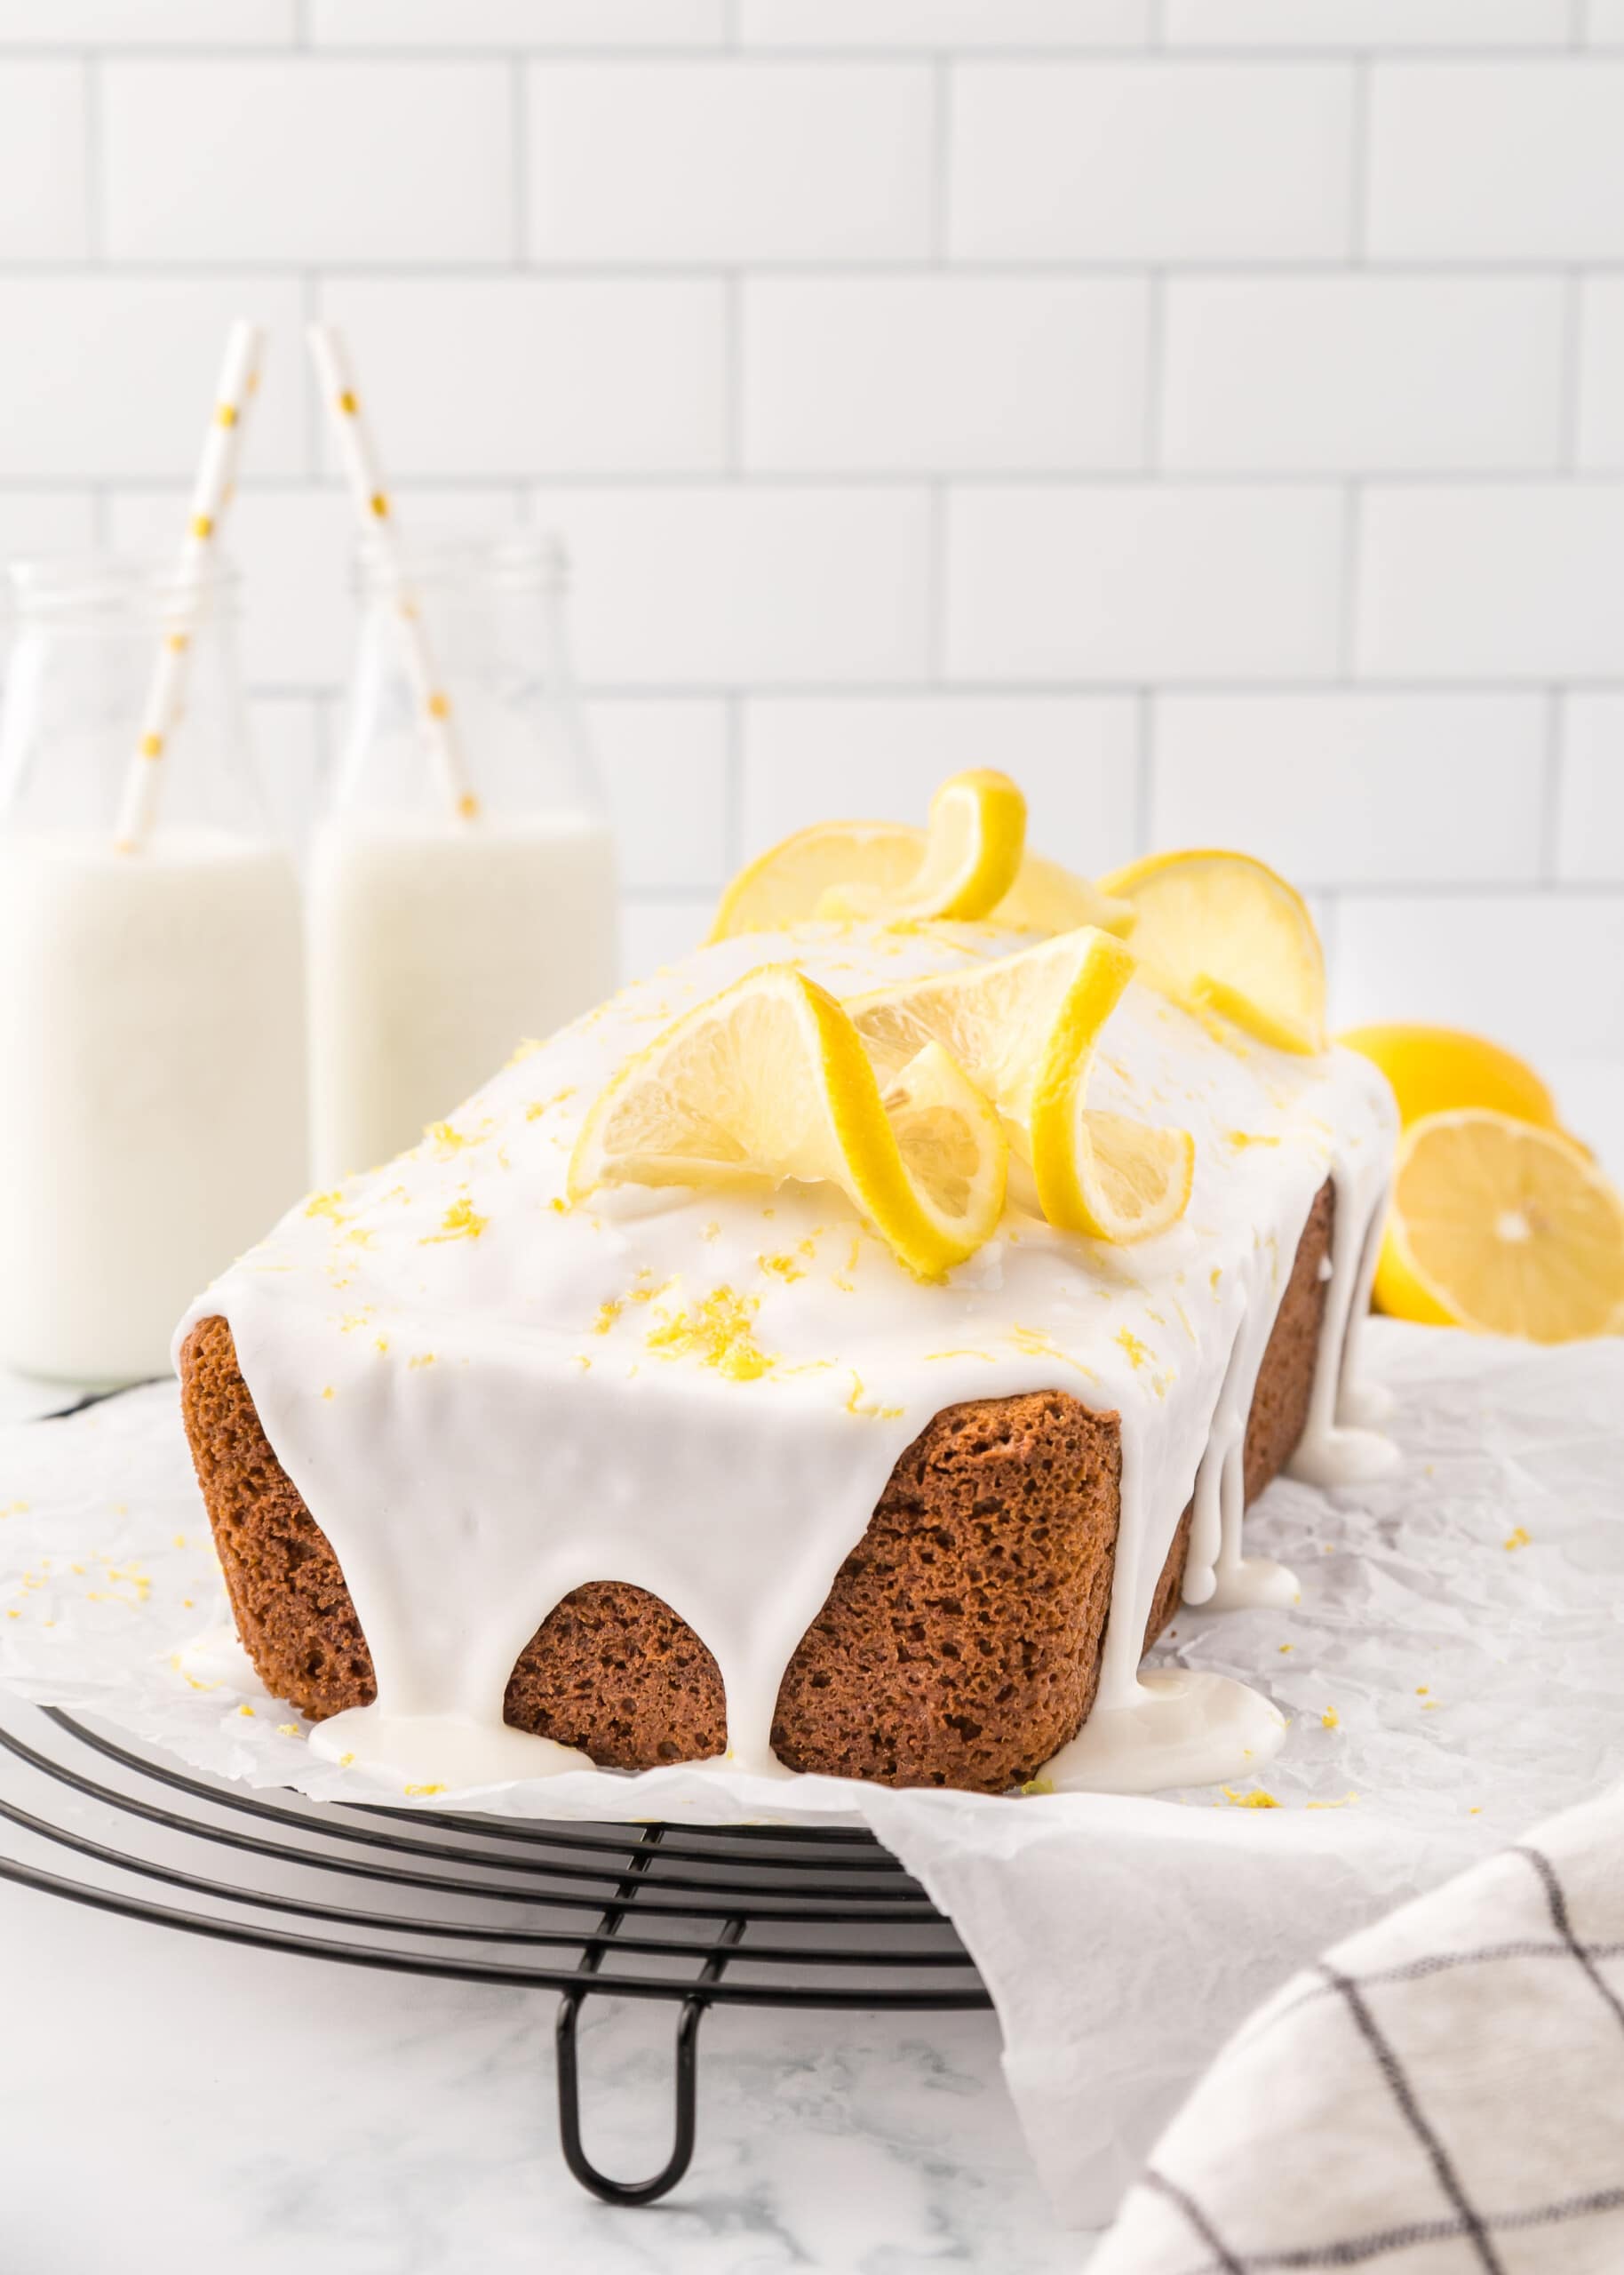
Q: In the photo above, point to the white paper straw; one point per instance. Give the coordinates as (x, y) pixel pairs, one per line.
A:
(211, 494)
(376, 514)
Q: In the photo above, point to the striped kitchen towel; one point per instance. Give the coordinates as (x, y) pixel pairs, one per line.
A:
(1441, 2094)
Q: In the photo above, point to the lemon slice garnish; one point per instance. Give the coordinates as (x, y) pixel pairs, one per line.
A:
(769, 1081)
(1223, 930)
(1044, 897)
(1503, 1227)
(784, 885)
(846, 868)
(1024, 1029)
(973, 852)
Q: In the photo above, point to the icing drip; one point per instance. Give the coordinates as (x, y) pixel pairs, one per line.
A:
(488, 1398)
(1183, 1728)
(1334, 1449)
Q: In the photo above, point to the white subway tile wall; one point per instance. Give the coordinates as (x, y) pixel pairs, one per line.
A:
(1212, 410)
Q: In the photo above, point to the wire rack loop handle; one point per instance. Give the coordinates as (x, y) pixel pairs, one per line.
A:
(685, 2125)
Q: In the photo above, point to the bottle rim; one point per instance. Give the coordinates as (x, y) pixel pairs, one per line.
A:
(512, 560)
(108, 586)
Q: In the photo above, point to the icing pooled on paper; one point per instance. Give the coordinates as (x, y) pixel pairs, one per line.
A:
(488, 1398)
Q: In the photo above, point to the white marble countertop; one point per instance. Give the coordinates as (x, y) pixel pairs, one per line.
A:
(167, 2102)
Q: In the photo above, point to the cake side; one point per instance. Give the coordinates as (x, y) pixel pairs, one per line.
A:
(960, 1643)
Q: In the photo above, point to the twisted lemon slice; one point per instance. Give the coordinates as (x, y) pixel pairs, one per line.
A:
(973, 852)
(970, 864)
(769, 1081)
(1223, 930)
(1024, 1029)
(1503, 1227)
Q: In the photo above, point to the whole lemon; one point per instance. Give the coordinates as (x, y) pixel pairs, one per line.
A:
(1437, 1070)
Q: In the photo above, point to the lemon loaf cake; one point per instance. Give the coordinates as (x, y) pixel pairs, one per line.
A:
(838, 1352)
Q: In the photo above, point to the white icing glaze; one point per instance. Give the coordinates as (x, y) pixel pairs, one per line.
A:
(1184, 1728)
(488, 1399)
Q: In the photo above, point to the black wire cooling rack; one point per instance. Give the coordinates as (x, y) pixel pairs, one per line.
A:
(759, 1916)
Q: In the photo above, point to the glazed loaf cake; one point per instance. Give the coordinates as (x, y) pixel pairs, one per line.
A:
(959, 1644)
(511, 1477)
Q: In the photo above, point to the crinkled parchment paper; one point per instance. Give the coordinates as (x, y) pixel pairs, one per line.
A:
(1454, 1673)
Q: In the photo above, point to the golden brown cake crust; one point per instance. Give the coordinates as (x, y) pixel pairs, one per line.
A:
(959, 1644)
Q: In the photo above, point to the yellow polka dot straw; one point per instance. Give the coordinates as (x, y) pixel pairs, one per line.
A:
(212, 493)
(375, 513)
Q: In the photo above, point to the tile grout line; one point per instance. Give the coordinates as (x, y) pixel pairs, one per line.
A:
(733, 374)
(1552, 787)
(1150, 440)
(1573, 371)
(733, 808)
(1144, 770)
(938, 538)
(825, 267)
(1084, 55)
(1351, 566)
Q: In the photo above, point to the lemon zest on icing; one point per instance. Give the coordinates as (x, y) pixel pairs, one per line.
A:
(461, 1222)
(854, 1405)
(718, 1331)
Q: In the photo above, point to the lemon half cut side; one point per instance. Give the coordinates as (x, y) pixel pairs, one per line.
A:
(769, 1081)
(1503, 1227)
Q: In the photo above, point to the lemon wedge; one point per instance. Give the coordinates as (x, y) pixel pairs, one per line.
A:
(1503, 1227)
(973, 852)
(1433, 1069)
(770, 1081)
(1222, 931)
(1024, 1028)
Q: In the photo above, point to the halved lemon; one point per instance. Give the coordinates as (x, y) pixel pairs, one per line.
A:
(1024, 1028)
(1433, 1070)
(1503, 1227)
(770, 1081)
(973, 851)
(846, 868)
(1222, 931)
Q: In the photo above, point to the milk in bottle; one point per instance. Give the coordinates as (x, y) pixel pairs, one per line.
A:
(152, 1031)
(443, 932)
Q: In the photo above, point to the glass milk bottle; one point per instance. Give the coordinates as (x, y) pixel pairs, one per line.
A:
(152, 1017)
(452, 916)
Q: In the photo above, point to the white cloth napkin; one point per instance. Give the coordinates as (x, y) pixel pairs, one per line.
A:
(1442, 2095)
(1453, 1673)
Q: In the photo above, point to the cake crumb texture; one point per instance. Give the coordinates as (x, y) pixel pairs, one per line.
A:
(959, 1644)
